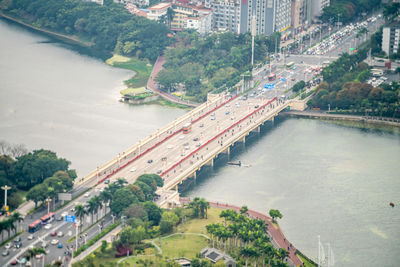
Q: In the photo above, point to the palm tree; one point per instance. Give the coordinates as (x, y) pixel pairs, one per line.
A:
(91, 207)
(2, 228)
(35, 251)
(247, 252)
(80, 212)
(99, 205)
(170, 17)
(244, 210)
(203, 206)
(16, 217)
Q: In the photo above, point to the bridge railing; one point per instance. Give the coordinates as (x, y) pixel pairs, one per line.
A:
(143, 146)
(192, 167)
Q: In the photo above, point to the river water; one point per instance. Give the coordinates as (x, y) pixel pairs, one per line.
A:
(329, 180)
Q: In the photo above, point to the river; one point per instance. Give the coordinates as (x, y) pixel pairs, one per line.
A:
(55, 98)
(329, 180)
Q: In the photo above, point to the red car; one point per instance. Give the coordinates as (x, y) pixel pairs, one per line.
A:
(53, 233)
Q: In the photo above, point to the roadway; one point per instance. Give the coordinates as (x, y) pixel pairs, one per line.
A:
(165, 149)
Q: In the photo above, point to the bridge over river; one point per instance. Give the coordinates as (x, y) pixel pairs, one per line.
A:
(176, 156)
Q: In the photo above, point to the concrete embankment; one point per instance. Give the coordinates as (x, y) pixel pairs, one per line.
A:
(329, 116)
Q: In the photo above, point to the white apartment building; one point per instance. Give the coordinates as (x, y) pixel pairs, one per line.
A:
(202, 24)
(140, 3)
(226, 15)
(317, 6)
(391, 38)
(157, 11)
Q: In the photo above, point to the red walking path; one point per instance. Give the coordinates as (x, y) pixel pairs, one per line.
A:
(276, 234)
(152, 85)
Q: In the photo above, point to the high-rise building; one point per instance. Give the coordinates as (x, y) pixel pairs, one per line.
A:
(317, 6)
(226, 14)
(391, 38)
(301, 15)
(271, 16)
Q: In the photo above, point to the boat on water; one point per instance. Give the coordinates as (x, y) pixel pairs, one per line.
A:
(235, 163)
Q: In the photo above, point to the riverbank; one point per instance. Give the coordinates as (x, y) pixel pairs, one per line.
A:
(59, 36)
(341, 117)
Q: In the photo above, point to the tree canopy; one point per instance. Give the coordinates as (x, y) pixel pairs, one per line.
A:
(109, 27)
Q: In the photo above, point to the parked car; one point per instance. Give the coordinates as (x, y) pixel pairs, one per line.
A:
(5, 252)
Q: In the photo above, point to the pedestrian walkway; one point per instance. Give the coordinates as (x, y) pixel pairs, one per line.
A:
(108, 237)
(152, 85)
(275, 233)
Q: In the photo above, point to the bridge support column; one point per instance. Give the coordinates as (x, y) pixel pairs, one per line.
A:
(176, 188)
(210, 162)
(273, 120)
(227, 150)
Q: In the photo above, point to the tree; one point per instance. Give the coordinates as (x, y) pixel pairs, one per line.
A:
(136, 210)
(122, 199)
(17, 218)
(91, 207)
(275, 214)
(153, 212)
(80, 212)
(244, 210)
(32, 168)
(248, 252)
(37, 193)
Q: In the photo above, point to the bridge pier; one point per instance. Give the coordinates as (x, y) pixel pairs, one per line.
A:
(210, 162)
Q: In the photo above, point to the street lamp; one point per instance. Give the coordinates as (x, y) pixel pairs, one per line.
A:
(76, 234)
(5, 188)
(112, 218)
(48, 199)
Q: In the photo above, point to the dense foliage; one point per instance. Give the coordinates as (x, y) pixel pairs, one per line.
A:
(246, 238)
(347, 10)
(203, 64)
(30, 170)
(109, 27)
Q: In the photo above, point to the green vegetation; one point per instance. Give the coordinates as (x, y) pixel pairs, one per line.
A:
(110, 28)
(141, 68)
(41, 172)
(10, 224)
(275, 214)
(187, 246)
(348, 10)
(95, 239)
(307, 263)
(204, 64)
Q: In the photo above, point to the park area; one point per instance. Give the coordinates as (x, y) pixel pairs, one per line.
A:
(187, 241)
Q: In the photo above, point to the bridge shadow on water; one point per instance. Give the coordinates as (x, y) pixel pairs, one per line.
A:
(208, 172)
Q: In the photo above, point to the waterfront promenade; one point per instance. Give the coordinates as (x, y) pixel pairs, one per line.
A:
(277, 237)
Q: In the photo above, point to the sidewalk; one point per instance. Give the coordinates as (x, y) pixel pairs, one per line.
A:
(107, 237)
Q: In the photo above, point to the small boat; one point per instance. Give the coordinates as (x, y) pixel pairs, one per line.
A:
(235, 163)
(391, 204)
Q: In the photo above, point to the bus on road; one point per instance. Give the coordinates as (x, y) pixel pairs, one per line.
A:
(48, 218)
(290, 65)
(35, 226)
(187, 128)
(271, 77)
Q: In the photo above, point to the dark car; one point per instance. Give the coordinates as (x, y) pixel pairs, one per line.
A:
(53, 233)
(107, 181)
(150, 161)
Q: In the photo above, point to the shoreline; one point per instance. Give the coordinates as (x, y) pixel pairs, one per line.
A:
(373, 120)
(45, 31)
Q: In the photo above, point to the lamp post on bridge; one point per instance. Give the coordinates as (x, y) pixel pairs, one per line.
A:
(48, 199)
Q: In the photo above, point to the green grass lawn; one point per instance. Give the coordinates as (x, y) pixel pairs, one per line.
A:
(182, 246)
(199, 225)
(143, 69)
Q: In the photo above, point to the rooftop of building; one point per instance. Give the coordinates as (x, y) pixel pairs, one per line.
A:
(160, 6)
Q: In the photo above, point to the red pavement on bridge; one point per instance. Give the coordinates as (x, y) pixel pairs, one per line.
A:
(276, 234)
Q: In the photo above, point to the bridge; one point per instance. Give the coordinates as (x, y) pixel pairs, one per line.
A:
(176, 156)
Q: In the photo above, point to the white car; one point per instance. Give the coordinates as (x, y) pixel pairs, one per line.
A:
(132, 169)
(87, 194)
(60, 234)
(47, 226)
(30, 237)
(54, 242)
(65, 213)
(182, 137)
(7, 246)
(170, 147)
